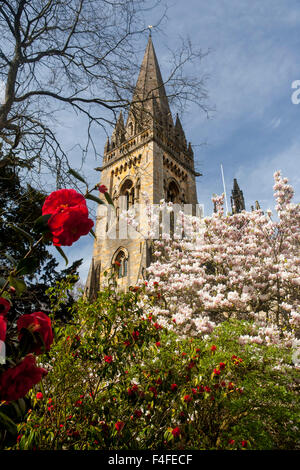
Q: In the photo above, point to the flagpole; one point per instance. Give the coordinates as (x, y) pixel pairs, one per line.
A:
(224, 189)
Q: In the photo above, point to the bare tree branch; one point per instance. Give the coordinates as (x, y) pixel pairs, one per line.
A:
(79, 54)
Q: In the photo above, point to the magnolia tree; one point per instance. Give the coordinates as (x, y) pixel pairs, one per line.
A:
(244, 265)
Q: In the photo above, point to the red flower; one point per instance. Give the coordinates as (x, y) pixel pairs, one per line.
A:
(138, 413)
(2, 328)
(244, 443)
(174, 387)
(230, 386)
(39, 396)
(135, 335)
(207, 389)
(187, 398)
(39, 324)
(176, 432)
(157, 344)
(102, 188)
(134, 389)
(222, 365)
(153, 390)
(127, 343)
(69, 216)
(231, 441)
(119, 426)
(108, 359)
(16, 382)
(213, 348)
(217, 372)
(4, 306)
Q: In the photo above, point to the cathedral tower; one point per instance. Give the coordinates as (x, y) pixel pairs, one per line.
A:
(237, 198)
(147, 153)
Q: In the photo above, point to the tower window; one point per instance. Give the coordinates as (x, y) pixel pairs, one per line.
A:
(172, 193)
(127, 190)
(121, 265)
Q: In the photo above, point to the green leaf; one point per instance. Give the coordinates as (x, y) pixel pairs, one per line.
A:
(8, 424)
(109, 199)
(62, 254)
(77, 176)
(11, 259)
(93, 233)
(94, 198)
(22, 232)
(41, 223)
(27, 266)
(18, 284)
(2, 281)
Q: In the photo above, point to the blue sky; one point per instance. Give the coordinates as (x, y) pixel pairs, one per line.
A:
(254, 58)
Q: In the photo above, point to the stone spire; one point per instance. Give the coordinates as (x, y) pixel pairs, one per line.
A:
(179, 133)
(118, 135)
(149, 91)
(237, 198)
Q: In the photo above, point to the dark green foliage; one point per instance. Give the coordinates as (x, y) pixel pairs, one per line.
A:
(119, 380)
(19, 208)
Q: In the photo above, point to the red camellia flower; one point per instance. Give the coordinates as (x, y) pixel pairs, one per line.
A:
(231, 441)
(108, 359)
(39, 324)
(39, 396)
(119, 425)
(213, 348)
(222, 365)
(16, 382)
(102, 188)
(244, 443)
(69, 216)
(135, 335)
(2, 328)
(217, 372)
(4, 306)
(176, 432)
(187, 398)
(174, 386)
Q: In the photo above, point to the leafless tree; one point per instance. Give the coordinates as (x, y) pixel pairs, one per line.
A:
(76, 54)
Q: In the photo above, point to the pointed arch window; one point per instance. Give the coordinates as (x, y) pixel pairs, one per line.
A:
(172, 192)
(121, 264)
(127, 190)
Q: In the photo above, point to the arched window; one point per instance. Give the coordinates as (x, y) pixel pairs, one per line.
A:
(121, 264)
(127, 190)
(172, 193)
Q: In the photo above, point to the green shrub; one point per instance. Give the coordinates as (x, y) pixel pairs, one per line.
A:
(119, 380)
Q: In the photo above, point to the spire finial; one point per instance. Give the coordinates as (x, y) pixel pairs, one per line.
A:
(150, 30)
